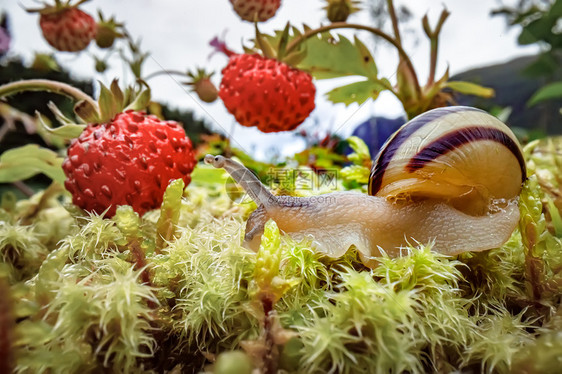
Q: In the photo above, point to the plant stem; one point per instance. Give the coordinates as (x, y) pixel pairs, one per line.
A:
(394, 19)
(344, 25)
(433, 36)
(45, 85)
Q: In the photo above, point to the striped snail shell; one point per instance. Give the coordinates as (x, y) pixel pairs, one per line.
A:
(460, 154)
(449, 178)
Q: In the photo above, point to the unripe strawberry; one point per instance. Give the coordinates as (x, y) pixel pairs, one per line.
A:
(127, 161)
(200, 82)
(108, 31)
(256, 10)
(339, 10)
(266, 93)
(105, 36)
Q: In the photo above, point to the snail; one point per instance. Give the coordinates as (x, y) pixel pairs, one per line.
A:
(450, 177)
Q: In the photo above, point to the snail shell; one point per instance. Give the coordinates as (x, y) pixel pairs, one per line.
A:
(459, 154)
(450, 177)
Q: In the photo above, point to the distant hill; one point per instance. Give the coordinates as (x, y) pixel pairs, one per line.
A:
(513, 88)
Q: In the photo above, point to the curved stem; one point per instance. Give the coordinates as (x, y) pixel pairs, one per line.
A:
(344, 25)
(60, 88)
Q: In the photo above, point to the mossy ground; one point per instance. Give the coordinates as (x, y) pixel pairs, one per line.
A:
(173, 291)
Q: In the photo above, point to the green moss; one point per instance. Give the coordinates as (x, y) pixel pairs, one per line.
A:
(98, 295)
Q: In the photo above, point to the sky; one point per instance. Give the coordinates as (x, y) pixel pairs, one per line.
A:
(177, 34)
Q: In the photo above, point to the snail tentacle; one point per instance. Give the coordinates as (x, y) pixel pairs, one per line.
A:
(245, 178)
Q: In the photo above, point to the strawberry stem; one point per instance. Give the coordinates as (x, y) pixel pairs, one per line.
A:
(344, 25)
(46, 85)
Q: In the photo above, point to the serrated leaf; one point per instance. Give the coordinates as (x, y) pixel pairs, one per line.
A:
(331, 58)
(469, 88)
(24, 162)
(357, 92)
(548, 92)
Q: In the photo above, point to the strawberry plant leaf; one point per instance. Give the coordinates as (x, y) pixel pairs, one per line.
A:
(358, 92)
(58, 114)
(550, 91)
(66, 132)
(140, 102)
(469, 88)
(24, 162)
(283, 40)
(108, 106)
(87, 112)
(328, 57)
(117, 94)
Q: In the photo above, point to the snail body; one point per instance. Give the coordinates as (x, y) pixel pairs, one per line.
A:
(450, 177)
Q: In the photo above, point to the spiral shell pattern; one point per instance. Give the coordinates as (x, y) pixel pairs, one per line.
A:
(460, 154)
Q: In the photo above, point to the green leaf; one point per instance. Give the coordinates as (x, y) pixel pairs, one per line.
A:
(357, 92)
(140, 102)
(117, 94)
(66, 131)
(283, 40)
(24, 162)
(87, 112)
(469, 88)
(330, 58)
(108, 106)
(548, 92)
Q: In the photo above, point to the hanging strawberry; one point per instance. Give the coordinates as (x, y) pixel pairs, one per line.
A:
(118, 155)
(264, 91)
(125, 157)
(256, 10)
(200, 83)
(65, 27)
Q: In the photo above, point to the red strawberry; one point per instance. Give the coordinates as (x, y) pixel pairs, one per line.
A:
(128, 161)
(68, 28)
(248, 10)
(266, 93)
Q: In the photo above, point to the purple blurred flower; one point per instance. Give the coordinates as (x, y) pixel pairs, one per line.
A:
(4, 36)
